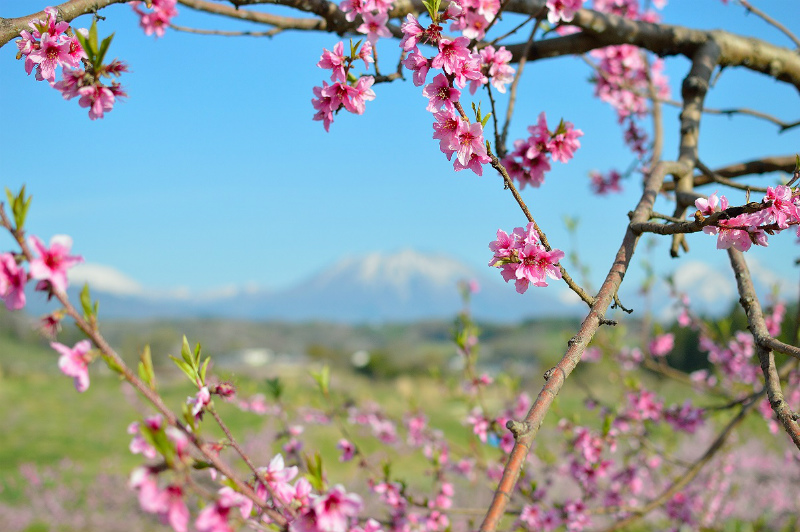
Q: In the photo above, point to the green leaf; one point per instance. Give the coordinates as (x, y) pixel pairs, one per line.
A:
(314, 474)
(607, 424)
(19, 206)
(485, 119)
(86, 302)
(323, 379)
(26, 206)
(93, 37)
(188, 417)
(146, 371)
(101, 53)
(186, 352)
(203, 371)
(433, 8)
(185, 367)
(85, 44)
(275, 388)
(112, 364)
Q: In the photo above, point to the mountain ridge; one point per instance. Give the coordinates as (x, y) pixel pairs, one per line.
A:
(405, 285)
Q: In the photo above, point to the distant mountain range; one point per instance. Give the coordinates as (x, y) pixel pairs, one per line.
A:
(379, 287)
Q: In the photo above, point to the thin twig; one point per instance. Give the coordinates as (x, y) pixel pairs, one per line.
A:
(225, 33)
(497, 165)
(725, 181)
(769, 20)
(512, 96)
(249, 463)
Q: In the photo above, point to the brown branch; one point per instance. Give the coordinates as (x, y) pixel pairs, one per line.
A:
(769, 20)
(243, 455)
(68, 11)
(576, 346)
(657, 115)
(260, 17)
(782, 124)
(512, 96)
(693, 91)
(725, 181)
(686, 227)
(602, 29)
(757, 166)
(224, 33)
(757, 326)
(497, 165)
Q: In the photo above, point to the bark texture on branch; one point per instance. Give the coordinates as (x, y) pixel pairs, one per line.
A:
(764, 345)
(10, 27)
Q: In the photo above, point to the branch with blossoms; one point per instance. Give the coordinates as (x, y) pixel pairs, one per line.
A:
(51, 44)
(164, 433)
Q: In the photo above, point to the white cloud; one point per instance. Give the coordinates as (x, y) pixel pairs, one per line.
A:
(568, 297)
(768, 278)
(104, 278)
(704, 283)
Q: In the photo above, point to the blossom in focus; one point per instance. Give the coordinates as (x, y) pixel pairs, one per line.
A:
(523, 258)
(713, 204)
(335, 61)
(98, 99)
(374, 26)
(51, 54)
(440, 93)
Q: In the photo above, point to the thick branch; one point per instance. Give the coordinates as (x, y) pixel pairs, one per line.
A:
(10, 27)
(757, 166)
(601, 29)
(757, 326)
(693, 90)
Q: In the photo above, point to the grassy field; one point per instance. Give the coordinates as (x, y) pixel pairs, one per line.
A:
(79, 441)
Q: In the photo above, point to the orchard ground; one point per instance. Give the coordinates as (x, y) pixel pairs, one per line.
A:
(48, 460)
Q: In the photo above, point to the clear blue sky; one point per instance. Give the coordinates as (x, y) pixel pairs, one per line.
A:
(212, 172)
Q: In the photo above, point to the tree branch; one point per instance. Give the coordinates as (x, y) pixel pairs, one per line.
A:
(577, 345)
(10, 27)
(757, 326)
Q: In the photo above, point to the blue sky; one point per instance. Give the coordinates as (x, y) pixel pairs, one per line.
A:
(212, 173)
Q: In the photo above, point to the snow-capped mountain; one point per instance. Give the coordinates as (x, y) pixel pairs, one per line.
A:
(378, 287)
